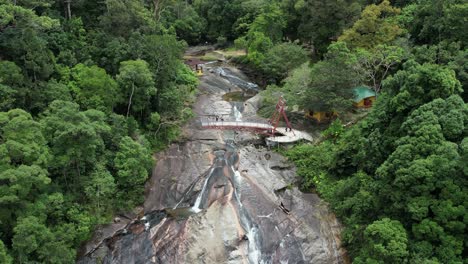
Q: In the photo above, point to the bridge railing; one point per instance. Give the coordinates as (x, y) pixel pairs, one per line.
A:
(234, 124)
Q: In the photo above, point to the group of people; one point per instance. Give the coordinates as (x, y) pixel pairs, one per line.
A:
(218, 118)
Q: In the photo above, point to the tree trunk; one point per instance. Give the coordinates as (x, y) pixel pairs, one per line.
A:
(68, 2)
(130, 99)
(156, 8)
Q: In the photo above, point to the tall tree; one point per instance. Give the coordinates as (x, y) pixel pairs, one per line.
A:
(137, 84)
(133, 162)
(14, 94)
(76, 140)
(332, 81)
(270, 22)
(122, 17)
(100, 189)
(377, 25)
(386, 242)
(4, 256)
(163, 55)
(376, 64)
(24, 157)
(93, 88)
(22, 40)
(281, 59)
(431, 21)
(322, 22)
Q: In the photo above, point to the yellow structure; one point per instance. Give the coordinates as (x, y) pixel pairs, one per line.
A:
(199, 69)
(364, 97)
(321, 116)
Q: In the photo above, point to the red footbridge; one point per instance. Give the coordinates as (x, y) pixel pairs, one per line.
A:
(257, 128)
(276, 134)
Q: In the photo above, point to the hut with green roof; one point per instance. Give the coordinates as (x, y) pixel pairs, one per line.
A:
(364, 97)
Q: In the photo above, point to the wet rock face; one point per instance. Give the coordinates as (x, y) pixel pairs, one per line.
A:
(214, 199)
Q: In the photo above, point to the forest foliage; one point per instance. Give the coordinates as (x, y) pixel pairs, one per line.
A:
(87, 93)
(89, 89)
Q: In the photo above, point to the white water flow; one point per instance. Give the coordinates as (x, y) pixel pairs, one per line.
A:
(237, 114)
(254, 254)
(236, 80)
(183, 197)
(196, 207)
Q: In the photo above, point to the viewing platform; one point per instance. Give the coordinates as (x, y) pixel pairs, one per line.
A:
(289, 136)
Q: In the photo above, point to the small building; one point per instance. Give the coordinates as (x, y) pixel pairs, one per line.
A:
(320, 116)
(364, 97)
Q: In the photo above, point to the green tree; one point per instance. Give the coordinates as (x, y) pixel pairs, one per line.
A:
(136, 81)
(322, 22)
(22, 40)
(432, 21)
(34, 240)
(417, 84)
(376, 26)
(270, 22)
(449, 54)
(11, 86)
(376, 64)
(258, 45)
(122, 17)
(93, 88)
(22, 139)
(100, 188)
(30, 235)
(406, 162)
(33, 4)
(163, 55)
(4, 256)
(220, 16)
(76, 140)
(281, 59)
(293, 90)
(188, 24)
(7, 100)
(133, 163)
(24, 157)
(11, 74)
(386, 242)
(332, 81)
(292, 11)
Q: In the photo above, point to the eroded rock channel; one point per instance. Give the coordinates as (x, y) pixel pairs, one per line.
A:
(220, 198)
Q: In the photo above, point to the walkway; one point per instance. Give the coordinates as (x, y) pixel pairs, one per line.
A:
(239, 125)
(289, 136)
(261, 128)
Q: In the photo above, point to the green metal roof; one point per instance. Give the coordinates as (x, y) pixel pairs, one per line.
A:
(362, 92)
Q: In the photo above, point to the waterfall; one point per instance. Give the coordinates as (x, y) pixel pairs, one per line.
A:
(255, 253)
(243, 84)
(237, 114)
(196, 207)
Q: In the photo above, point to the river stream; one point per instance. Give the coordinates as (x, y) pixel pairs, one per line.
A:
(222, 197)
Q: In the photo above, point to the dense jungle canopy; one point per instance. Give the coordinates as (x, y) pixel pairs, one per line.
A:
(89, 90)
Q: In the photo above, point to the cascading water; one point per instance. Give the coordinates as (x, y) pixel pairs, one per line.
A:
(196, 206)
(243, 84)
(252, 234)
(234, 218)
(237, 114)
